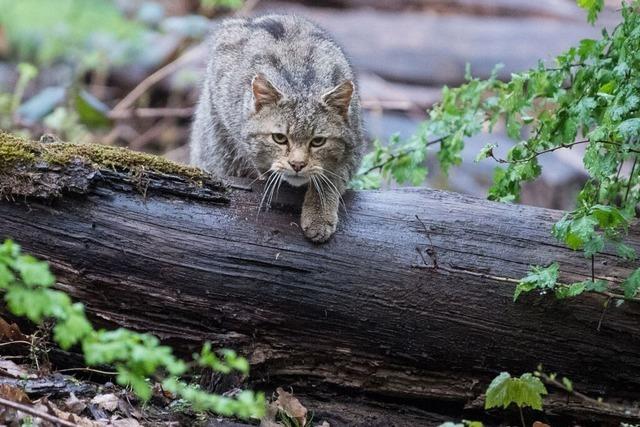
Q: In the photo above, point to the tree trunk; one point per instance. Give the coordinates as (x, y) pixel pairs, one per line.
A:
(409, 304)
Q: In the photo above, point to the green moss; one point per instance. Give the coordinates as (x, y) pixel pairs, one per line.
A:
(14, 151)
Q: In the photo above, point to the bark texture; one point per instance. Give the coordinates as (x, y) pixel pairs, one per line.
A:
(409, 304)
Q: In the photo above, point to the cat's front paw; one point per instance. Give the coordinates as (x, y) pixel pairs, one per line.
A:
(317, 228)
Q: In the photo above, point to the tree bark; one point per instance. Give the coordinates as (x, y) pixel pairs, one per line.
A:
(410, 303)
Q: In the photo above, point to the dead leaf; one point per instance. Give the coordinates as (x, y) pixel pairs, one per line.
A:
(269, 419)
(125, 422)
(8, 368)
(108, 402)
(73, 418)
(14, 394)
(291, 406)
(540, 424)
(75, 405)
(10, 332)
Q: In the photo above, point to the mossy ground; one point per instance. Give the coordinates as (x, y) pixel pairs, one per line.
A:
(15, 151)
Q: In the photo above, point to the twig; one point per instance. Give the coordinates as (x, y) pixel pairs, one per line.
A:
(151, 113)
(154, 78)
(36, 413)
(604, 310)
(15, 342)
(97, 371)
(633, 169)
(394, 156)
(549, 150)
(533, 156)
(552, 381)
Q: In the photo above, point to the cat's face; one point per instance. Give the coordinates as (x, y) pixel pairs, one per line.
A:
(299, 137)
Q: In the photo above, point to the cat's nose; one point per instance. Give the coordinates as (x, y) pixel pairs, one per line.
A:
(297, 165)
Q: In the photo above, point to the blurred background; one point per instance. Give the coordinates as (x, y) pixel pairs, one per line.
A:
(127, 72)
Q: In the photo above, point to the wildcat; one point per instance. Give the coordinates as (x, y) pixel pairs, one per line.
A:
(279, 101)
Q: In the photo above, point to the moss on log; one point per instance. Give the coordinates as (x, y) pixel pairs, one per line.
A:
(47, 170)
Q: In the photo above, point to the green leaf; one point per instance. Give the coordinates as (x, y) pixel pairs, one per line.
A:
(572, 290)
(91, 111)
(632, 284)
(6, 276)
(626, 252)
(597, 286)
(33, 272)
(538, 278)
(524, 391)
(485, 152)
(580, 230)
(137, 382)
(629, 128)
(568, 384)
(73, 328)
(593, 8)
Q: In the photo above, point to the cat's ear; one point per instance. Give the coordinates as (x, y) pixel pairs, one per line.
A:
(264, 93)
(339, 97)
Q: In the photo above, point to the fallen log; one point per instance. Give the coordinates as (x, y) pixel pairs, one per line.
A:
(409, 304)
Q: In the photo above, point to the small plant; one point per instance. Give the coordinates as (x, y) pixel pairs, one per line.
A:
(526, 391)
(138, 358)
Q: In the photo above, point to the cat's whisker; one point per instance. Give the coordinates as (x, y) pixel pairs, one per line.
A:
(259, 176)
(322, 170)
(279, 184)
(270, 181)
(318, 188)
(332, 187)
(325, 196)
(278, 181)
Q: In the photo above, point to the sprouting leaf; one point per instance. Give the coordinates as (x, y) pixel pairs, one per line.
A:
(539, 278)
(524, 391)
(485, 152)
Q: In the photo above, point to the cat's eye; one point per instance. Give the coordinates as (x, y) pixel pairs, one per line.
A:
(279, 138)
(318, 141)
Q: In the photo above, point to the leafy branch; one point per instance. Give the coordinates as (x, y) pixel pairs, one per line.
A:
(591, 97)
(27, 285)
